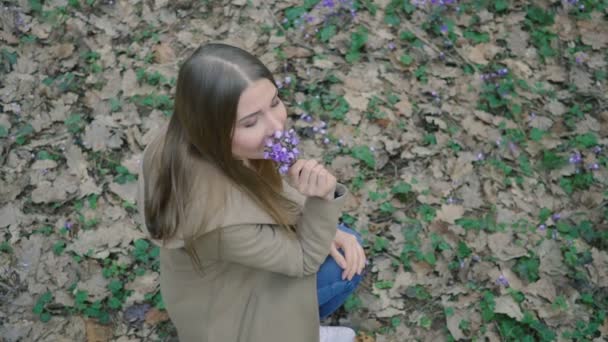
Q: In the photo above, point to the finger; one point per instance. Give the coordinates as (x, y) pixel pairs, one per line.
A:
(323, 178)
(361, 259)
(338, 256)
(356, 259)
(351, 260)
(305, 176)
(361, 255)
(294, 170)
(308, 176)
(314, 178)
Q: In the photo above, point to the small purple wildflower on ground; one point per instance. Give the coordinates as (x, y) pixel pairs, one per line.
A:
(480, 156)
(136, 312)
(502, 280)
(282, 148)
(556, 216)
(542, 227)
(391, 46)
(593, 166)
(68, 225)
(597, 150)
(328, 3)
(575, 158)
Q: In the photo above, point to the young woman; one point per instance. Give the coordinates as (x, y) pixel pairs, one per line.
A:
(247, 255)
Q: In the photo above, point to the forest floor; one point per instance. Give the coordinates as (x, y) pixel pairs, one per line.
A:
(471, 134)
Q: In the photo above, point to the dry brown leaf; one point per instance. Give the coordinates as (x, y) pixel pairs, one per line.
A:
(155, 316)
(501, 245)
(507, 305)
(594, 32)
(450, 212)
(97, 332)
(543, 288)
(163, 53)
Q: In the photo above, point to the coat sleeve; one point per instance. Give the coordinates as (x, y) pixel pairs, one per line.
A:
(270, 247)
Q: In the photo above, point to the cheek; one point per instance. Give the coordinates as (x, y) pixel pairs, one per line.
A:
(250, 140)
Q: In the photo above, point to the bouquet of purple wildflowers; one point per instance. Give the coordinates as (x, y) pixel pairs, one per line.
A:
(281, 147)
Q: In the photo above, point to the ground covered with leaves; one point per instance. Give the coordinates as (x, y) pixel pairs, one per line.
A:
(472, 135)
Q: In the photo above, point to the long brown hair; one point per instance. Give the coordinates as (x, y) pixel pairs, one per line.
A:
(199, 132)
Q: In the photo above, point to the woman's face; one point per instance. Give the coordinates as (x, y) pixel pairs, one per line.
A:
(260, 112)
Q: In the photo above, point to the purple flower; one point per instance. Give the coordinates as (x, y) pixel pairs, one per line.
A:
(391, 46)
(542, 227)
(444, 28)
(593, 166)
(68, 225)
(282, 148)
(480, 156)
(575, 158)
(287, 80)
(597, 150)
(328, 3)
(556, 216)
(502, 280)
(279, 84)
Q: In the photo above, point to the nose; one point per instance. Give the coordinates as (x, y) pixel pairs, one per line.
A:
(276, 124)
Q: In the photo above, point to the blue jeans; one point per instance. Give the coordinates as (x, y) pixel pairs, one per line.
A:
(332, 291)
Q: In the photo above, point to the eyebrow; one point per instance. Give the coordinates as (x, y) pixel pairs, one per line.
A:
(258, 112)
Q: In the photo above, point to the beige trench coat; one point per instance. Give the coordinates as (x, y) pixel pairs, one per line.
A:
(259, 282)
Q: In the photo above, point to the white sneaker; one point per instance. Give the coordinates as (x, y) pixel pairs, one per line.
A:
(336, 334)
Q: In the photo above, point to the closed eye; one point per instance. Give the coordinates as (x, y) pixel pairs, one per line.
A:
(276, 103)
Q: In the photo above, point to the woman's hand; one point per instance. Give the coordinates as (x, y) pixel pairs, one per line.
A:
(311, 179)
(353, 260)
